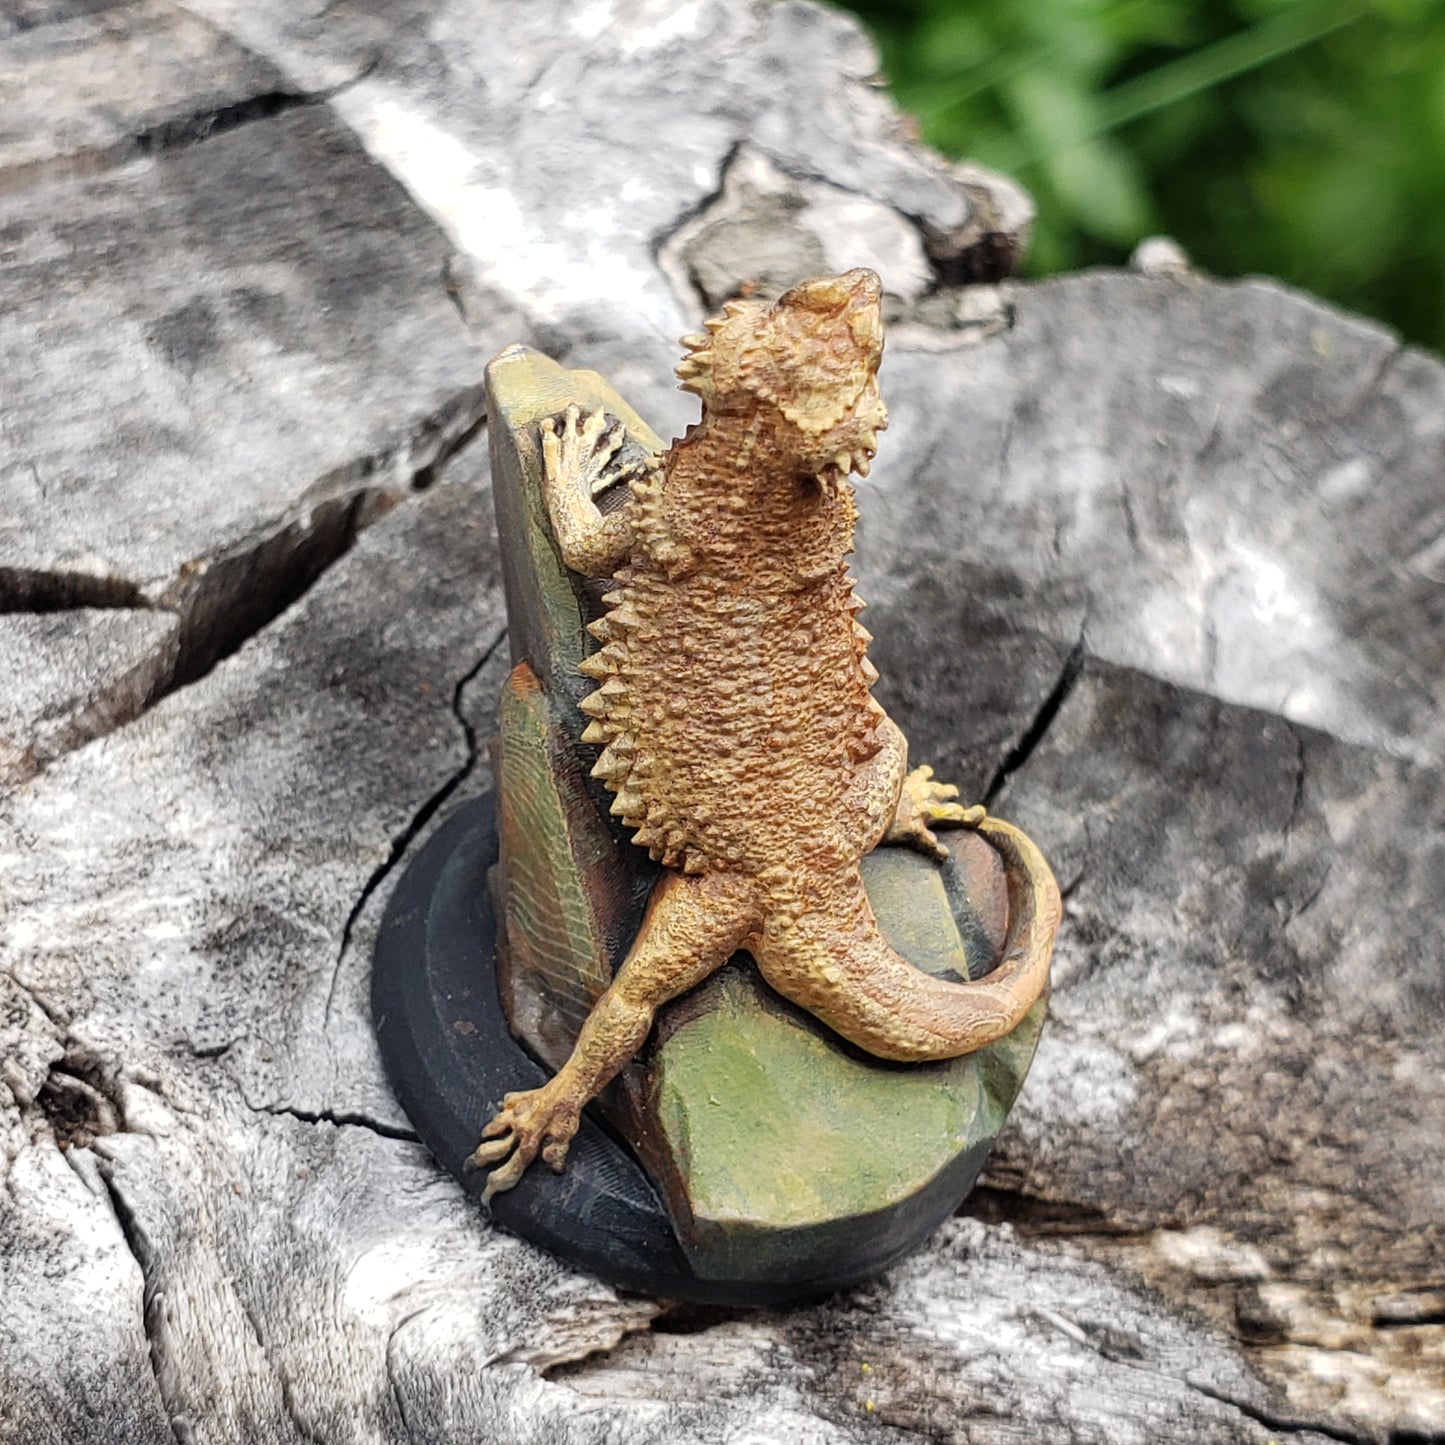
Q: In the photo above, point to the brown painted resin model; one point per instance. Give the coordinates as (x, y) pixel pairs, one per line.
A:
(734, 715)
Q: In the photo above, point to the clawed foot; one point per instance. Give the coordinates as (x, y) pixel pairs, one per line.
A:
(542, 1119)
(583, 453)
(923, 802)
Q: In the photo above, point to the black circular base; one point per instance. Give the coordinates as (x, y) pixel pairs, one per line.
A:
(451, 1057)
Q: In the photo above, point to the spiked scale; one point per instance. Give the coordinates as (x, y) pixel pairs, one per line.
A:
(666, 680)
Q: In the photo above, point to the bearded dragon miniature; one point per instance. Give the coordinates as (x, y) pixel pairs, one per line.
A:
(734, 715)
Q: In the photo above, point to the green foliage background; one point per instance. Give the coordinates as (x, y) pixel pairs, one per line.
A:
(1303, 138)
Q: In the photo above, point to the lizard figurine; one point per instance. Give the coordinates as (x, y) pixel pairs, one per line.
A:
(734, 715)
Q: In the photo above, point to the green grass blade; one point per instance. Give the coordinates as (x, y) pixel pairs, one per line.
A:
(1221, 62)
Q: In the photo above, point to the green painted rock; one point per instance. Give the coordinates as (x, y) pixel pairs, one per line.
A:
(570, 889)
(569, 900)
(778, 1148)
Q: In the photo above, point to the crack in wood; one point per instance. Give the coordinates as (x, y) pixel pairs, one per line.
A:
(1120, 1350)
(56, 1018)
(1376, 381)
(1261, 1330)
(1280, 1423)
(280, 1374)
(151, 1298)
(20, 19)
(342, 1119)
(1297, 799)
(1410, 1308)
(398, 1399)
(77, 1109)
(185, 130)
(1033, 1217)
(970, 253)
(175, 133)
(220, 603)
(33, 589)
(402, 841)
(1043, 719)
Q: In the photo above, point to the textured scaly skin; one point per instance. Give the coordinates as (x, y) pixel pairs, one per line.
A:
(736, 725)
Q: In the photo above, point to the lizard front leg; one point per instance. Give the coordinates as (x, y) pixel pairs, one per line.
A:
(896, 806)
(921, 802)
(692, 926)
(578, 465)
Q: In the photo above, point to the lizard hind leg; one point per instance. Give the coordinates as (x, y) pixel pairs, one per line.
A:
(692, 927)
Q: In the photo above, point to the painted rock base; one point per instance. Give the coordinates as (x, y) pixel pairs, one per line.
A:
(779, 1146)
(451, 1056)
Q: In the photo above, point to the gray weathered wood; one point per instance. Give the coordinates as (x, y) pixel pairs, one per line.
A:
(1155, 562)
(95, 86)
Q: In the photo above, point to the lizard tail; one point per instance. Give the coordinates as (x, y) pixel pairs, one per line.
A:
(834, 962)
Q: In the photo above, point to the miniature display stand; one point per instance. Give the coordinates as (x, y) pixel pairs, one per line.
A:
(747, 1152)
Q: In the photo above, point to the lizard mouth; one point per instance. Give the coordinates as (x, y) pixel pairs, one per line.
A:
(859, 459)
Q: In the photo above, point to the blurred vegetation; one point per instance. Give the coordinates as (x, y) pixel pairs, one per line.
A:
(1303, 138)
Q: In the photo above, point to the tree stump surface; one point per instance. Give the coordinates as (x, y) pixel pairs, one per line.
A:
(1157, 566)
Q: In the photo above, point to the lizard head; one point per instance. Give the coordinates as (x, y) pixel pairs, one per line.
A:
(808, 362)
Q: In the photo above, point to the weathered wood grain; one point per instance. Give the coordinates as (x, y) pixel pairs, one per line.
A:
(1155, 564)
(103, 85)
(74, 674)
